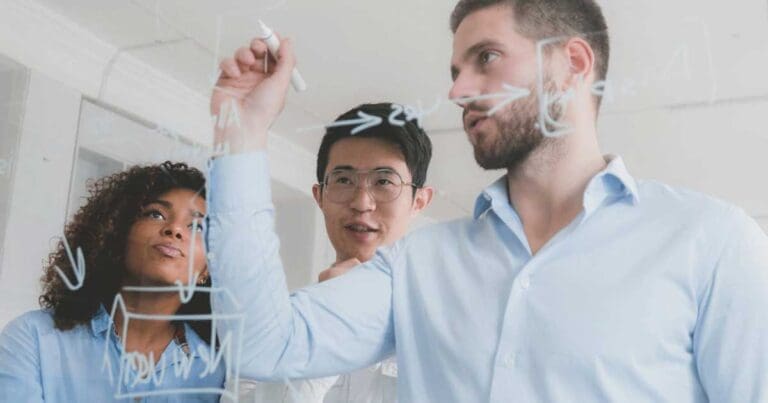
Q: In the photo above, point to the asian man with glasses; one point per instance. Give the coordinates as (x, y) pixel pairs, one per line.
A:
(371, 185)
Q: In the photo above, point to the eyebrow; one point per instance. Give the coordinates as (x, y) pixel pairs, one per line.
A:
(473, 50)
(343, 168)
(168, 205)
(351, 168)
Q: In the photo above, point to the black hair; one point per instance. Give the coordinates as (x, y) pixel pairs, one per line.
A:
(410, 138)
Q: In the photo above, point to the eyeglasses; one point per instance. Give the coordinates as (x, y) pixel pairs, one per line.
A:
(383, 185)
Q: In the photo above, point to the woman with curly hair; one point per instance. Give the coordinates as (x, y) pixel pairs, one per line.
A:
(139, 234)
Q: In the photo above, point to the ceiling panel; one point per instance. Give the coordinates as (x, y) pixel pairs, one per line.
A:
(122, 23)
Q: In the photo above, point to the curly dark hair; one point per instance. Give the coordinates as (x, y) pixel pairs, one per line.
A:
(100, 228)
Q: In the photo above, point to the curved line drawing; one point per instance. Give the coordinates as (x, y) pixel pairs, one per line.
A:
(137, 368)
(77, 267)
(544, 98)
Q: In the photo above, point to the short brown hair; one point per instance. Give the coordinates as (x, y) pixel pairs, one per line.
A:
(543, 19)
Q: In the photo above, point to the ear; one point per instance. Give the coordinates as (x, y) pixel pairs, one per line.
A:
(422, 199)
(581, 62)
(204, 273)
(317, 193)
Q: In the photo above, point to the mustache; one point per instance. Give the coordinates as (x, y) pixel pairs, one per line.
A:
(474, 107)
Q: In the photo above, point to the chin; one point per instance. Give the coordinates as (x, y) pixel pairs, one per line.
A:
(164, 276)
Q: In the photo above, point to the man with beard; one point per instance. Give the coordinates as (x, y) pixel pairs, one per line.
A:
(572, 281)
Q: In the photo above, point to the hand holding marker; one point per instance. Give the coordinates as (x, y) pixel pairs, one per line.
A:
(273, 44)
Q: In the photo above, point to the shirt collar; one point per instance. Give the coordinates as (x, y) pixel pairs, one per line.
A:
(613, 180)
(100, 322)
(495, 191)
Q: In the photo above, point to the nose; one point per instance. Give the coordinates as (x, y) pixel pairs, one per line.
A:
(463, 87)
(174, 230)
(362, 200)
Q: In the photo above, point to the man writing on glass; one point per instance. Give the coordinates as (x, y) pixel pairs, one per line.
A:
(572, 281)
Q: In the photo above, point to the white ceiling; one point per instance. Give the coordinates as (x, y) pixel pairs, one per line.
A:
(666, 54)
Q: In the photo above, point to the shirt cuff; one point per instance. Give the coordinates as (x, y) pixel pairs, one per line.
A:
(239, 183)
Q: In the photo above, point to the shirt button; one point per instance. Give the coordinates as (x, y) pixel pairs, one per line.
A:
(509, 360)
(525, 282)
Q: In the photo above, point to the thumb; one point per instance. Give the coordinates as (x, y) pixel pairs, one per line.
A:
(337, 269)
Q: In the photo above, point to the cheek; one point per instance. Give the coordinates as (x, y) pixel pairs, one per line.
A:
(396, 219)
(200, 252)
(334, 219)
(333, 228)
(133, 247)
(516, 75)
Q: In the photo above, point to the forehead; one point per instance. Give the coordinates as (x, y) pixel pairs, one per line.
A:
(184, 200)
(494, 23)
(366, 153)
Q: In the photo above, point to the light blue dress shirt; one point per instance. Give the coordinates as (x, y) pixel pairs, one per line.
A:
(652, 294)
(39, 363)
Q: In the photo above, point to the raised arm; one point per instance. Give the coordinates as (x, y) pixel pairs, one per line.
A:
(329, 328)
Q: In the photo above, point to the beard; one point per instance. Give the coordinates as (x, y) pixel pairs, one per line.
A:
(517, 132)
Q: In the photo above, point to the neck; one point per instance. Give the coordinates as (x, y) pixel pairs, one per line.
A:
(557, 172)
(547, 188)
(146, 334)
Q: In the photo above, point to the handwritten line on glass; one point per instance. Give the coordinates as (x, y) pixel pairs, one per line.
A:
(77, 267)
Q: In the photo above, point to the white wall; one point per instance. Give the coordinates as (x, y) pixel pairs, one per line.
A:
(39, 192)
(296, 225)
(13, 88)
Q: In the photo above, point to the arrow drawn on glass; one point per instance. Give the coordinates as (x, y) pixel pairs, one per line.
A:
(510, 94)
(366, 121)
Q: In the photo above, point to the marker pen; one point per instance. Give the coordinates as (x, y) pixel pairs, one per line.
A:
(273, 44)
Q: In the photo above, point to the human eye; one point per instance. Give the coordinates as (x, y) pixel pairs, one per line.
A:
(487, 56)
(341, 179)
(154, 214)
(385, 178)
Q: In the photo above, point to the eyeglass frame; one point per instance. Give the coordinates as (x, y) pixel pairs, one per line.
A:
(324, 184)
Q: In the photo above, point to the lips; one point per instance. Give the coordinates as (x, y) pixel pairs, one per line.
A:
(360, 227)
(474, 125)
(476, 122)
(474, 118)
(362, 233)
(168, 250)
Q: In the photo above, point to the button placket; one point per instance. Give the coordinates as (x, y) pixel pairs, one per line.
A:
(509, 360)
(525, 281)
